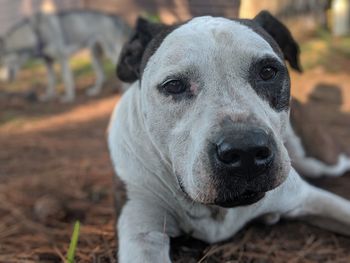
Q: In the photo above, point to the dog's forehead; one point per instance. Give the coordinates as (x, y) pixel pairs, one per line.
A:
(218, 30)
(195, 40)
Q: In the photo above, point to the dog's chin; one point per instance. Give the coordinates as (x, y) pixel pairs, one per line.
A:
(254, 192)
(248, 198)
(224, 194)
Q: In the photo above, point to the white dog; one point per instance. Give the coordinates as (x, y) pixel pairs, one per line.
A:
(55, 38)
(202, 139)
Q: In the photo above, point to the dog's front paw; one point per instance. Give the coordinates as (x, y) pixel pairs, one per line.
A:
(146, 247)
(158, 247)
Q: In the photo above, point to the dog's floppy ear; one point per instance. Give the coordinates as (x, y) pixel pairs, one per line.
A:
(282, 36)
(129, 64)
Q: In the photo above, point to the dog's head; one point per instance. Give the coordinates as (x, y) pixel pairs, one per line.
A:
(215, 99)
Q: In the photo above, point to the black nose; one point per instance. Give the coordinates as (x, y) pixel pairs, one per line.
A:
(245, 151)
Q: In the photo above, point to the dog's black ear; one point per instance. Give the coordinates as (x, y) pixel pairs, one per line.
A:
(129, 64)
(282, 36)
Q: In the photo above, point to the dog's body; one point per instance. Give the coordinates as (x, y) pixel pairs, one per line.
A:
(202, 139)
(56, 37)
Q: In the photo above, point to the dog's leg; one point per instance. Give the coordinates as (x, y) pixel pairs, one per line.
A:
(68, 81)
(297, 199)
(322, 208)
(311, 167)
(96, 60)
(143, 230)
(51, 82)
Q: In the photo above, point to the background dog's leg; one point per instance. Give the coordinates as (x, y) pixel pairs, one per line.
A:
(311, 167)
(143, 230)
(96, 60)
(51, 81)
(323, 209)
(68, 81)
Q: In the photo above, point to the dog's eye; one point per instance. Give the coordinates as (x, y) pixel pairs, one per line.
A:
(174, 86)
(267, 73)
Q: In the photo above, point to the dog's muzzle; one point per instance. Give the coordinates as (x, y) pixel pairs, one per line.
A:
(242, 158)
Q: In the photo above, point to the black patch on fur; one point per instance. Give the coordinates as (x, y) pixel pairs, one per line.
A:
(280, 34)
(141, 46)
(277, 90)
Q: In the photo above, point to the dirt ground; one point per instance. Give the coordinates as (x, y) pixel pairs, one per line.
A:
(55, 169)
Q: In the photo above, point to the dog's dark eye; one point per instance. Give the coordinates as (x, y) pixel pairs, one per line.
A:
(174, 86)
(267, 73)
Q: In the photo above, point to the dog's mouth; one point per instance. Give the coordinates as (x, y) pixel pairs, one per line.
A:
(247, 198)
(226, 198)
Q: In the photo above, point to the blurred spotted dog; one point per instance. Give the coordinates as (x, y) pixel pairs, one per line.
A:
(202, 140)
(57, 37)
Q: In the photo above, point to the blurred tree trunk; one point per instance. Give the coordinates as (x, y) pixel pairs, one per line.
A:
(302, 17)
(340, 17)
(286, 8)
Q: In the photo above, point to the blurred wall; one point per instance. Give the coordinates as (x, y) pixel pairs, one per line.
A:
(169, 11)
(300, 15)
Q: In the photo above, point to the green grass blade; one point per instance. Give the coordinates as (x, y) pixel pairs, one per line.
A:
(73, 243)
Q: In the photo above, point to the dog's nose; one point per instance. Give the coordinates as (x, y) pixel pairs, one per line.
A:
(246, 152)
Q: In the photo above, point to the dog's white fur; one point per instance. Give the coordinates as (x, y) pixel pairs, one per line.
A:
(152, 139)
